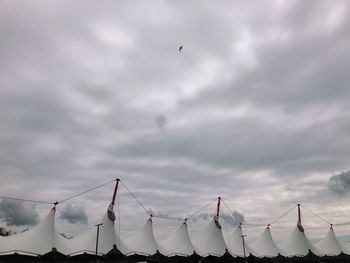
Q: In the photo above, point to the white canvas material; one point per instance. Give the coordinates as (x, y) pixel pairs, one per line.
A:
(297, 245)
(42, 238)
(210, 241)
(39, 240)
(329, 245)
(86, 243)
(235, 243)
(177, 243)
(264, 245)
(142, 243)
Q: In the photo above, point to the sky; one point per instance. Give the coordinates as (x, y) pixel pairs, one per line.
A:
(255, 109)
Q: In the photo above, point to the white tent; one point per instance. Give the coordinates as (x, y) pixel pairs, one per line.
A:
(210, 242)
(44, 238)
(177, 243)
(86, 243)
(264, 246)
(142, 243)
(39, 240)
(297, 245)
(235, 243)
(329, 245)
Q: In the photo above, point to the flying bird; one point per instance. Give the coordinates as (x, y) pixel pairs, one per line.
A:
(180, 48)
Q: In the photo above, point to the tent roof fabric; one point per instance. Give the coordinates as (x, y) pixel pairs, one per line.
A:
(142, 243)
(264, 245)
(177, 243)
(297, 245)
(210, 241)
(42, 238)
(86, 243)
(235, 243)
(37, 241)
(329, 245)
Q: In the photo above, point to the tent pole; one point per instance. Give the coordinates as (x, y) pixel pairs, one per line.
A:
(300, 227)
(115, 191)
(97, 234)
(245, 256)
(218, 208)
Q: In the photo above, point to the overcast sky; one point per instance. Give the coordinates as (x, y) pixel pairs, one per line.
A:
(254, 109)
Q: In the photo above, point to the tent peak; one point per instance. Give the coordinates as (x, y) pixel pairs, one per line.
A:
(54, 205)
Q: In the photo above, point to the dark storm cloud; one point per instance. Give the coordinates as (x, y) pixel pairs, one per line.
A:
(74, 214)
(16, 213)
(339, 183)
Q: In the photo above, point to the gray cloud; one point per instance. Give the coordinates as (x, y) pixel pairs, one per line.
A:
(16, 213)
(232, 219)
(257, 102)
(161, 121)
(158, 213)
(74, 214)
(339, 183)
(203, 216)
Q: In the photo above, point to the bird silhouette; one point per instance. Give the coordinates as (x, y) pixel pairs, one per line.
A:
(180, 48)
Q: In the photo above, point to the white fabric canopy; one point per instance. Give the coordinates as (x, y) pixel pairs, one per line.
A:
(329, 245)
(86, 243)
(297, 245)
(264, 246)
(210, 241)
(235, 243)
(39, 240)
(177, 243)
(142, 243)
(42, 238)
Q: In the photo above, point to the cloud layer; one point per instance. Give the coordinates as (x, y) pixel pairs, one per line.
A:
(255, 109)
(15, 213)
(340, 183)
(74, 214)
